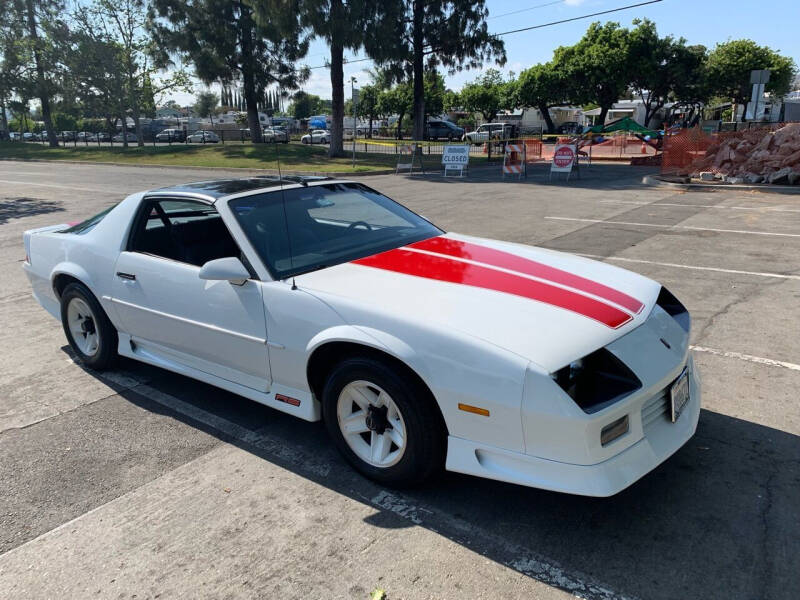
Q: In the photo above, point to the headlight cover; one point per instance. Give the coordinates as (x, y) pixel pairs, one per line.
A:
(673, 307)
(596, 381)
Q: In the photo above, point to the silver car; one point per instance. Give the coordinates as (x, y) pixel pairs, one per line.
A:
(276, 134)
(203, 137)
(318, 136)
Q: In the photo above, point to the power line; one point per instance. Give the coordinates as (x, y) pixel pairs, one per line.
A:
(522, 10)
(550, 24)
(604, 12)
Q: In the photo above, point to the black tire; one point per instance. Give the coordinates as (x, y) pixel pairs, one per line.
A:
(426, 443)
(106, 355)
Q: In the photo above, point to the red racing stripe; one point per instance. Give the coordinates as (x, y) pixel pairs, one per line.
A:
(441, 268)
(512, 262)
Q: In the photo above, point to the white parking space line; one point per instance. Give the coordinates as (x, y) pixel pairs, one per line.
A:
(521, 561)
(673, 204)
(686, 227)
(60, 186)
(748, 357)
(692, 267)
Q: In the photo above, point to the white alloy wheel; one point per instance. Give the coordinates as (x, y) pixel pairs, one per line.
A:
(82, 326)
(371, 424)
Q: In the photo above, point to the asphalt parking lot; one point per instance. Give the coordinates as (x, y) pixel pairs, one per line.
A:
(140, 483)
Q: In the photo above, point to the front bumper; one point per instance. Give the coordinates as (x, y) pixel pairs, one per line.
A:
(661, 440)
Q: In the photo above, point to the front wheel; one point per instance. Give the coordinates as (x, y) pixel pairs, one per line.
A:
(384, 424)
(89, 332)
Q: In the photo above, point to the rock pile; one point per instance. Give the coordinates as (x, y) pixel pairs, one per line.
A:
(754, 157)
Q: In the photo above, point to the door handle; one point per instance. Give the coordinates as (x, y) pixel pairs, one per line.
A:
(128, 276)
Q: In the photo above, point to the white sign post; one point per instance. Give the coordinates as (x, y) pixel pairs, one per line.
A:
(565, 158)
(455, 160)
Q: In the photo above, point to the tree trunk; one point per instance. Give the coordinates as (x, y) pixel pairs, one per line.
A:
(650, 112)
(3, 117)
(419, 71)
(337, 97)
(137, 124)
(545, 110)
(40, 87)
(400, 126)
(124, 131)
(248, 76)
(370, 127)
(603, 114)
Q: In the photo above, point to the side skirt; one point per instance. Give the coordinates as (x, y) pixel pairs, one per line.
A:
(298, 403)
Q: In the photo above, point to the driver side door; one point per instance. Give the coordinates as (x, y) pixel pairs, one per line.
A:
(173, 317)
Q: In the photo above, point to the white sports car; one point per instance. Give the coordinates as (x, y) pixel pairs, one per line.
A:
(419, 349)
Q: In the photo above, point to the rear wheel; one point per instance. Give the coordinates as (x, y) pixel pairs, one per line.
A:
(89, 332)
(384, 424)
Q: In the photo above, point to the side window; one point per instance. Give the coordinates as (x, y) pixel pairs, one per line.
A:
(188, 231)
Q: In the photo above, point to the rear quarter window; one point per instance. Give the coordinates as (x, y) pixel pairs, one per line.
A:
(88, 224)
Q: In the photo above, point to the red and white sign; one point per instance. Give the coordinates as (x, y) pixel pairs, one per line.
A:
(564, 158)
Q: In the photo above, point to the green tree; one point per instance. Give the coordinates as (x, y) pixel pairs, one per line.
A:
(398, 100)
(341, 23)
(368, 104)
(12, 61)
(227, 43)
(662, 69)
(121, 24)
(206, 105)
(419, 35)
(41, 31)
(542, 87)
(304, 105)
(597, 66)
(729, 64)
(486, 95)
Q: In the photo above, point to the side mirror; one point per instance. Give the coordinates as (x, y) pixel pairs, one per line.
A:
(225, 269)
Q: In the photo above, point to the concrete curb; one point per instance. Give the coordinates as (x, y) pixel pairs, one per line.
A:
(198, 168)
(696, 187)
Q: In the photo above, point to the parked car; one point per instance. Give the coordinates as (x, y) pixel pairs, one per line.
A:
(14, 136)
(100, 136)
(419, 350)
(275, 134)
(569, 127)
(490, 131)
(84, 136)
(317, 136)
(131, 137)
(203, 137)
(444, 130)
(171, 135)
(67, 136)
(28, 137)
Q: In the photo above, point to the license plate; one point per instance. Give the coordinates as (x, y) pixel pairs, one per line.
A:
(679, 395)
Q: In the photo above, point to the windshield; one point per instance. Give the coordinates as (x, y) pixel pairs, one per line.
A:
(325, 225)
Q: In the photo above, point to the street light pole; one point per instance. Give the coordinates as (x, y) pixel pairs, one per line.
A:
(355, 112)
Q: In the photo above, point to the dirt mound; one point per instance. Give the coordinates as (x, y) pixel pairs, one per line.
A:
(753, 156)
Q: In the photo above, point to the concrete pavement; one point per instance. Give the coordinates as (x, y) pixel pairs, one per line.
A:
(141, 482)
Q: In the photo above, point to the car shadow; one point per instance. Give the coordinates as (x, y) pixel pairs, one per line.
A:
(21, 207)
(716, 520)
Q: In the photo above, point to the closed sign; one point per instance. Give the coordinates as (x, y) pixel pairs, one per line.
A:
(455, 155)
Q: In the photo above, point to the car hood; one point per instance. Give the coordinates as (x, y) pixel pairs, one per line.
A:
(548, 307)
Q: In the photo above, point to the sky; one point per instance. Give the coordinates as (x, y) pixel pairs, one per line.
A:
(706, 22)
